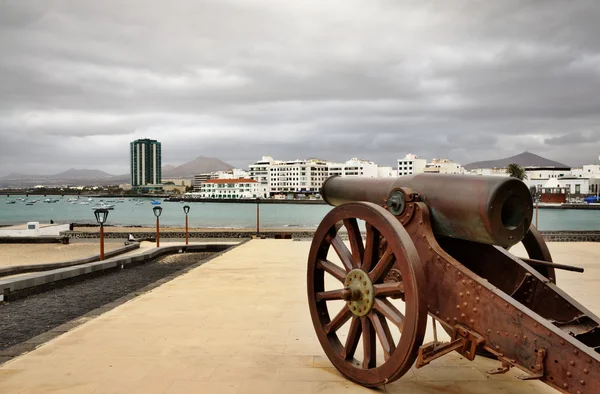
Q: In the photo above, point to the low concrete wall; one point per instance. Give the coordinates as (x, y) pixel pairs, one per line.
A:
(571, 236)
(42, 231)
(192, 234)
(35, 240)
(549, 236)
(21, 269)
(12, 288)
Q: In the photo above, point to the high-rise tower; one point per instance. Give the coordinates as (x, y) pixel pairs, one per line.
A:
(145, 155)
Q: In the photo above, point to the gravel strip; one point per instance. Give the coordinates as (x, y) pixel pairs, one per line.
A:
(26, 318)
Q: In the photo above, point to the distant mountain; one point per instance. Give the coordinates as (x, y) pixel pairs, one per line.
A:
(198, 166)
(97, 177)
(525, 159)
(82, 174)
(70, 174)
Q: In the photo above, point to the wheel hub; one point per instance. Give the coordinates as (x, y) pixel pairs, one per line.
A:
(358, 292)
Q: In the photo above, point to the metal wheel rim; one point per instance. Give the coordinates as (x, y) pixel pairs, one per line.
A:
(407, 261)
(537, 249)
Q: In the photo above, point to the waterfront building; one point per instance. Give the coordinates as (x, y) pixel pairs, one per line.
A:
(199, 179)
(411, 164)
(305, 177)
(145, 164)
(242, 188)
(586, 171)
(297, 176)
(443, 166)
(386, 172)
(489, 172)
(353, 167)
(259, 171)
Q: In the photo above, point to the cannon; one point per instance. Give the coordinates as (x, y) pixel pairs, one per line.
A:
(394, 251)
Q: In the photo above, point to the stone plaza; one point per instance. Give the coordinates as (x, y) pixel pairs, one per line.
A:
(240, 324)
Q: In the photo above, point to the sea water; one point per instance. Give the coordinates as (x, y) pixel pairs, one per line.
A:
(138, 212)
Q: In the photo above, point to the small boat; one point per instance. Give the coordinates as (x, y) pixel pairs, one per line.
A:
(11, 202)
(84, 203)
(104, 206)
(155, 202)
(29, 203)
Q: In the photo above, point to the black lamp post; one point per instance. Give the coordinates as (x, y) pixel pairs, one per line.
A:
(157, 212)
(101, 216)
(257, 217)
(186, 210)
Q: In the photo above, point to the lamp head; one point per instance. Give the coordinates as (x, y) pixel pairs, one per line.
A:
(101, 215)
(157, 211)
(186, 209)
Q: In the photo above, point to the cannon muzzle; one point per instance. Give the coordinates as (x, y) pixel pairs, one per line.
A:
(486, 209)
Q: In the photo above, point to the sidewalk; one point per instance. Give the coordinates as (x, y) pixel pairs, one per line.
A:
(240, 324)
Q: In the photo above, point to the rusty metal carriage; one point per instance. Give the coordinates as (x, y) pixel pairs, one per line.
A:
(439, 245)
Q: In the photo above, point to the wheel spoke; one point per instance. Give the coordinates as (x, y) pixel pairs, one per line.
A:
(383, 266)
(352, 339)
(383, 332)
(356, 242)
(335, 270)
(338, 321)
(329, 295)
(341, 250)
(369, 346)
(388, 289)
(371, 248)
(390, 311)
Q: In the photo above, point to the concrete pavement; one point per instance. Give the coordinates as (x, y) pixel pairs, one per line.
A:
(240, 324)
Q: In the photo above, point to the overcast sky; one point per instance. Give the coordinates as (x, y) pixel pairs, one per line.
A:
(239, 79)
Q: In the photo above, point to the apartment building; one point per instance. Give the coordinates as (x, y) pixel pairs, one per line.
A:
(240, 188)
(297, 176)
(443, 166)
(145, 163)
(411, 164)
(353, 167)
(236, 173)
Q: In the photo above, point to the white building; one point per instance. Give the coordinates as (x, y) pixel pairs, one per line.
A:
(386, 172)
(489, 172)
(411, 164)
(236, 173)
(587, 171)
(353, 167)
(443, 166)
(259, 171)
(575, 186)
(307, 176)
(230, 189)
(546, 172)
(297, 176)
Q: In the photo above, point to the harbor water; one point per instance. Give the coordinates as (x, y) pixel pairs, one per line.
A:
(138, 212)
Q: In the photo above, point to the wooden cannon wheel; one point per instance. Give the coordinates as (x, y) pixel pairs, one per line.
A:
(360, 305)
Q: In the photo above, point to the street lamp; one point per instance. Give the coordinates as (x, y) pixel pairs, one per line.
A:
(157, 212)
(258, 217)
(101, 216)
(186, 210)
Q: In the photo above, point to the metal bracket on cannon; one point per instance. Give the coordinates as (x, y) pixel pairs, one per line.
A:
(464, 341)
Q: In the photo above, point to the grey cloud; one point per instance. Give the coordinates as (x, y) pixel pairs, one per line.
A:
(238, 79)
(574, 138)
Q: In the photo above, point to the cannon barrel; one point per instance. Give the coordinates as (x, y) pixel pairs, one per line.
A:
(486, 209)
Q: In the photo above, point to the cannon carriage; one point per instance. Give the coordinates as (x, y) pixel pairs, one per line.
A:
(394, 251)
